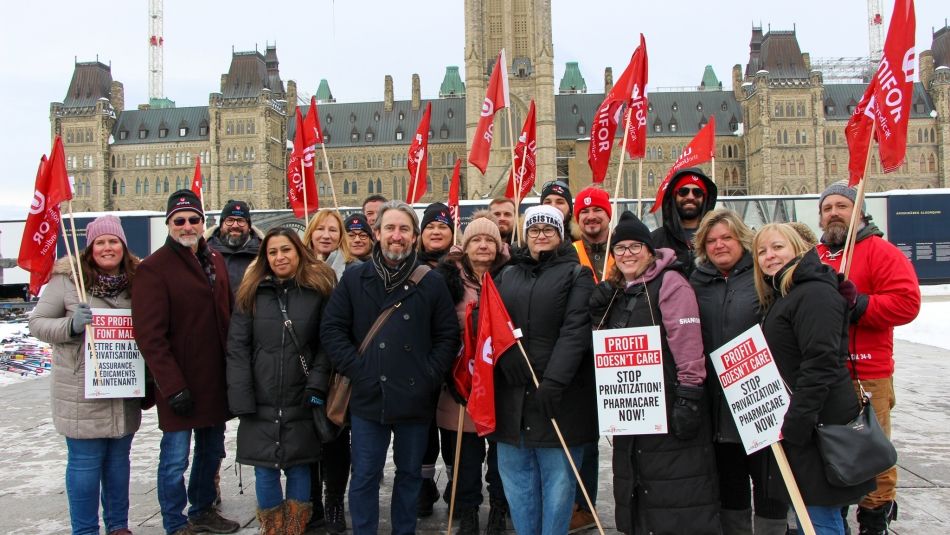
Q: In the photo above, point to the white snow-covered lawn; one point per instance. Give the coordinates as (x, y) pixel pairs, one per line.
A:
(931, 325)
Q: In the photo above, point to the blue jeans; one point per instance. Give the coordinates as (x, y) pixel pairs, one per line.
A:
(172, 463)
(369, 444)
(825, 519)
(92, 464)
(539, 486)
(269, 492)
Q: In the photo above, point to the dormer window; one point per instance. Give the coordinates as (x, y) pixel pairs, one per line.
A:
(183, 131)
(162, 132)
(123, 134)
(143, 133)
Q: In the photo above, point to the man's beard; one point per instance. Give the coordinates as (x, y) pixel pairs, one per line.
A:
(836, 233)
(187, 241)
(689, 213)
(236, 241)
(395, 257)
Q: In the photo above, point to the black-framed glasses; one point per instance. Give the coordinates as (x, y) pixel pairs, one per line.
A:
(356, 235)
(180, 221)
(620, 249)
(548, 232)
(686, 190)
(235, 221)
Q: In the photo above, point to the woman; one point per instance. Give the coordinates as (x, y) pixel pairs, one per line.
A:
(806, 326)
(277, 372)
(663, 483)
(481, 252)
(546, 292)
(98, 431)
(359, 237)
(724, 283)
(325, 236)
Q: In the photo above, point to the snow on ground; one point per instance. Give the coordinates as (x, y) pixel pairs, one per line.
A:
(930, 327)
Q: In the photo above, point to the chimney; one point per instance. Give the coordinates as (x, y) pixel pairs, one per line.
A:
(117, 97)
(608, 80)
(388, 93)
(416, 97)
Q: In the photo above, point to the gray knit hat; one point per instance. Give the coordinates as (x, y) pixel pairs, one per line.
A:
(838, 188)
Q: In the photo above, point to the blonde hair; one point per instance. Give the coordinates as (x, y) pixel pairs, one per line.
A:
(342, 244)
(732, 221)
(762, 288)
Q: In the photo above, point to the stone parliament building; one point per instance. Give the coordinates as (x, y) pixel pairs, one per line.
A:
(779, 131)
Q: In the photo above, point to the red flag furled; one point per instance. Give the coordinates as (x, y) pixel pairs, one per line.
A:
(300, 173)
(495, 335)
(701, 149)
(630, 89)
(525, 168)
(313, 132)
(454, 191)
(196, 180)
(465, 361)
(887, 99)
(496, 98)
(419, 158)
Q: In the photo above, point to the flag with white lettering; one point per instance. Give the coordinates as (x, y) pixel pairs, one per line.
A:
(496, 98)
(524, 170)
(418, 161)
(494, 336)
(701, 149)
(300, 173)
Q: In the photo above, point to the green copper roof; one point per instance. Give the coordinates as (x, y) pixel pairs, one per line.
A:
(160, 103)
(572, 82)
(710, 81)
(323, 92)
(452, 85)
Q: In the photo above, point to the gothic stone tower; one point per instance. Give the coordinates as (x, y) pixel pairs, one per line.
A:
(523, 29)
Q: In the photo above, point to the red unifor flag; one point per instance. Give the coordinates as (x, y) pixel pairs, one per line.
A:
(496, 98)
(465, 360)
(196, 180)
(886, 101)
(300, 173)
(630, 89)
(701, 149)
(314, 132)
(525, 168)
(419, 158)
(38, 245)
(495, 335)
(454, 191)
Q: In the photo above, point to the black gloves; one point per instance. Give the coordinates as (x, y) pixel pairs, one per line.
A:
(687, 417)
(456, 395)
(181, 403)
(549, 394)
(857, 301)
(794, 431)
(82, 316)
(314, 398)
(514, 368)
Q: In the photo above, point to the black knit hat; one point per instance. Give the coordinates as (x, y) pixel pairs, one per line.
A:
(557, 187)
(358, 222)
(236, 209)
(437, 212)
(183, 199)
(631, 228)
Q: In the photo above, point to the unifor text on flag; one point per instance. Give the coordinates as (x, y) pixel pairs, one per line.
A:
(496, 98)
(524, 169)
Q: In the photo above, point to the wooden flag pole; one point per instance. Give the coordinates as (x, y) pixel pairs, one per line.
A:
(557, 429)
(845, 267)
(714, 169)
(306, 207)
(804, 521)
(72, 223)
(614, 214)
(326, 163)
(79, 283)
(412, 185)
(455, 467)
(519, 181)
(640, 188)
(511, 146)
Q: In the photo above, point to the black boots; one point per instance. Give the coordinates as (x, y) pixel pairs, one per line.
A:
(497, 517)
(875, 521)
(468, 522)
(428, 495)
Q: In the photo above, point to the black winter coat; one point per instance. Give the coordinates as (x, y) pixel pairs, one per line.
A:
(266, 380)
(397, 379)
(662, 485)
(807, 332)
(728, 306)
(671, 234)
(238, 259)
(548, 300)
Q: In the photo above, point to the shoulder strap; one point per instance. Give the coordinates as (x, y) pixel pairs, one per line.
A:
(416, 277)
(289, 325)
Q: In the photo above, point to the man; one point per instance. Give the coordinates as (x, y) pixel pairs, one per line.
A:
(593, 213)
(371, 207)
(689, 195)
(503, 209)
(887, 295)
(236, 240)
(396, 381)
(359, 236)
(181, 308)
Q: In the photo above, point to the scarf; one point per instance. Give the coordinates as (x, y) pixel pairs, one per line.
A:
(204, 258)
(108, 285)
(393, 276)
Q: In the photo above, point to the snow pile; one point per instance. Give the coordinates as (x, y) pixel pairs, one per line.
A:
(21, 355)
(930, 327)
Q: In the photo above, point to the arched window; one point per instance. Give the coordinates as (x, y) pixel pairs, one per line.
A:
(379, 185)
(923, 164)
(931, 163)
(785, 137)
(346, 187)
(145, 187)
(801, 165)
(428, 183)
(445, 183)
(369, 187)
(122, 187)
(783, 166)
(240, 181)
(355, 187)
(247, 182)
(138, 186)
(651, 178)
(115, 187)
(231, 182)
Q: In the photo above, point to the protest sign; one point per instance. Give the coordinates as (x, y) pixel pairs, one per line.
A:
(754, 390)
(628, 367)
(117, 369)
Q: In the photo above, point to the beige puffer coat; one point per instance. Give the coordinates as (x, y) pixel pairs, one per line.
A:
(73, 415)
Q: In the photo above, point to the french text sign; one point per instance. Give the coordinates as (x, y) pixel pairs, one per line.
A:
(117, 369)
(628, 367)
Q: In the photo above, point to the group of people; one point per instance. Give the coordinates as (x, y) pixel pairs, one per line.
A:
(235, 322)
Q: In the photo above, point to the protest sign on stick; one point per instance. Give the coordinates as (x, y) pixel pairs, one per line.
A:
(628, 368)
(121, 368)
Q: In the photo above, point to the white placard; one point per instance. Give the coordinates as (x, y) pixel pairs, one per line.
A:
(628, 367)
(118, 370)
(754, 390)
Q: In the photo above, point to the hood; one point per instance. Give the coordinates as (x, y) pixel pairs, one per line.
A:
(665, 259)
(866, 231)
(61, 267)
(808, 268)
(671, 220)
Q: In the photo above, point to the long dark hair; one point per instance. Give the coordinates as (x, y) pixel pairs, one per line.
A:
(90, 270)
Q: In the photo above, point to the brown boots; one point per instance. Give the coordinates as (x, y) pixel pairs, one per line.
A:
(271, 520)
(296, 516)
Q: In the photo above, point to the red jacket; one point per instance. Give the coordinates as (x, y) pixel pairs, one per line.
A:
(880, 270)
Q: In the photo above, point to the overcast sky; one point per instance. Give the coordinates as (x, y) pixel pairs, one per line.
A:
(355, 43)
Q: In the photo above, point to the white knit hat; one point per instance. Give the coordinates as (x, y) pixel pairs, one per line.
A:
(544, 214)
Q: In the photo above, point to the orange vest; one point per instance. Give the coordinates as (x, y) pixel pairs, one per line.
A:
(585, 260)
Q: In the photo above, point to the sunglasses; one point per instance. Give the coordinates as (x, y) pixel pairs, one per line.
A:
(180, 221)
(685, 191)
(555, 183)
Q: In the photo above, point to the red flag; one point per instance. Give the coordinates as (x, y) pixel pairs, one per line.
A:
(524, 169)
(419, 158)
(313, 132)
(465, 361)
(496, 98)
(886, 102)
(38, 244)
(701, 149)
(630, 89)
(196, 180)
(297, 181)
(495, 335)
(454, 191)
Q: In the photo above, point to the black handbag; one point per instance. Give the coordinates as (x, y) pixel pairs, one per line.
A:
(857, 451)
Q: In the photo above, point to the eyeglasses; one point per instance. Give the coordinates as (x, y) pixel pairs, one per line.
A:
(180, 221)
(358, 235)
(685, 191)
(235, 221)
(620, 250)
(548, 232)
